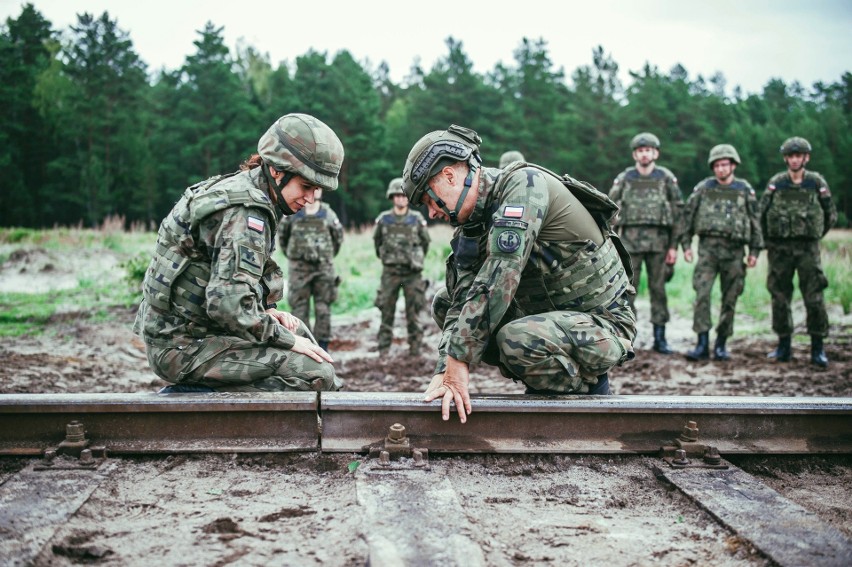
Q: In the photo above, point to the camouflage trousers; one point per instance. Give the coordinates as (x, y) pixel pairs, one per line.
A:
(231, 364)
(786, 258)
(413, 289)
(317, 280)
(658, 274)
(722, 257)
(560, 351)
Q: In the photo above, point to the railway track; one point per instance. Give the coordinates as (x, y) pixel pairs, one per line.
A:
(74, 434)
(355, 422)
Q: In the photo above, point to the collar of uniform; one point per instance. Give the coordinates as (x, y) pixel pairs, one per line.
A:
(487, 182)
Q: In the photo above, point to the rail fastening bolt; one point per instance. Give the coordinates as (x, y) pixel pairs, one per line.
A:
(75, 432)
(680, 457)
(417, 454)
(690, 432)
(396, 432)
(384, 459)
(86, 456)
(712, 456)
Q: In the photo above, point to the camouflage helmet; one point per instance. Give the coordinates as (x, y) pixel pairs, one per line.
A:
(510, 157)
(304, 145)
(795, 145)
(394, 188)
(723, 151)
(645, 140)
(433, 152)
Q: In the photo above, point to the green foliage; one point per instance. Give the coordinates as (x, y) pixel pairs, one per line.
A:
(88, 134)
(24, 313)
(135, 269)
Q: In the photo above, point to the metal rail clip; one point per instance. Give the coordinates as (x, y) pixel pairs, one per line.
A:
(396, 451)
(687, 452)
(75, 447)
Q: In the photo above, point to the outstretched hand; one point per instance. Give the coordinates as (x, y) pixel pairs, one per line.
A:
(451, 386)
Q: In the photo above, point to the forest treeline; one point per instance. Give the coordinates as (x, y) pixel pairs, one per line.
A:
(89, 132)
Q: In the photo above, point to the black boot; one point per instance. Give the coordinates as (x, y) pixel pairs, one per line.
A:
(719, 352)
(602, 387)
(323, 345)
(660, 344)
(702, 349)
(782, 353)
(817, 353)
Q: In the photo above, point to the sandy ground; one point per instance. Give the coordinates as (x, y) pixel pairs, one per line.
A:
(497, 510)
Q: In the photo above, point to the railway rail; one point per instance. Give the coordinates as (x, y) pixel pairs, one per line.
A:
(690, 434)
(359, 422)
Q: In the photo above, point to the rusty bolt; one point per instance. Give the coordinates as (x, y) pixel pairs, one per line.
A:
(384, 459)
(680, 457)
(418, 458)
(396, 432)
(49, 454)
(712, 456)
(690, 432)
(86, 456)
(75, 432)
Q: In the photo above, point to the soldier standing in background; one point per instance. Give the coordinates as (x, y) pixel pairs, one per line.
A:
(536, 283)
(650, 203)
(208, 316)
(510, 157)
(796, 211)
(401, 241)
(311, 239)
(722, 211)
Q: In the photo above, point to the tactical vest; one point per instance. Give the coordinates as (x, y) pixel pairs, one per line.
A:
(177, 277)
(723, 211)
(310, 239)
(401, 244)
(794, 211)
(644, 200)
(561, 275)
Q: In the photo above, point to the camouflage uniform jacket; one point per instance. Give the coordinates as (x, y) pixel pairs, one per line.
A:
(311, 238)
(401, 241)
(212, 273)
(789, 211)
(650, 209)
(723, 211)
(529, 247)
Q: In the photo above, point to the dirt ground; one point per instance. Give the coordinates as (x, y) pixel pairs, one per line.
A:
(309, 509)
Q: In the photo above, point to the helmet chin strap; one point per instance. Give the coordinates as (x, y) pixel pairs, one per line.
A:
(474, 163)
(277, 187)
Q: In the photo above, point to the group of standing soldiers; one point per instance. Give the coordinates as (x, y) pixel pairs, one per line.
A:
(791, 217)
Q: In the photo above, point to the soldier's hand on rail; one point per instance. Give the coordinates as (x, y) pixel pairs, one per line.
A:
(305, 346)
(451, 386)
(687, 255)
(751, 261)
(290, 322)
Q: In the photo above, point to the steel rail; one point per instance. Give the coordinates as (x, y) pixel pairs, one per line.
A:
(355, 422)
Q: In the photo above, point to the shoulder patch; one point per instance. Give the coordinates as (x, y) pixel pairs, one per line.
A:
(508, 241)
(256, 224)
(248, 261)
(513, 211)
(771, 187)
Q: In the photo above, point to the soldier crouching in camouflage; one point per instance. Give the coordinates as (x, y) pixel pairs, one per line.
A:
(311, 239)
(536, 284)
(208, 315)
(722, 211)
(796, 211)
(650, 206)
(401, 241)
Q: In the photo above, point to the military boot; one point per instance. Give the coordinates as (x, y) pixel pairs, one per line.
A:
(602, 387)
(719, 351)
(702, 349)
(782, 353)
(323, 345)
(185, 389)
(660, 344)
(817, 353)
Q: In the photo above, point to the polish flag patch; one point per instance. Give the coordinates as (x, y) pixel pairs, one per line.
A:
(513, 212)
(256, 224)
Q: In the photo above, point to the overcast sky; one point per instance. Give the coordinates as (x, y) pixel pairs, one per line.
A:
(749, 41)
